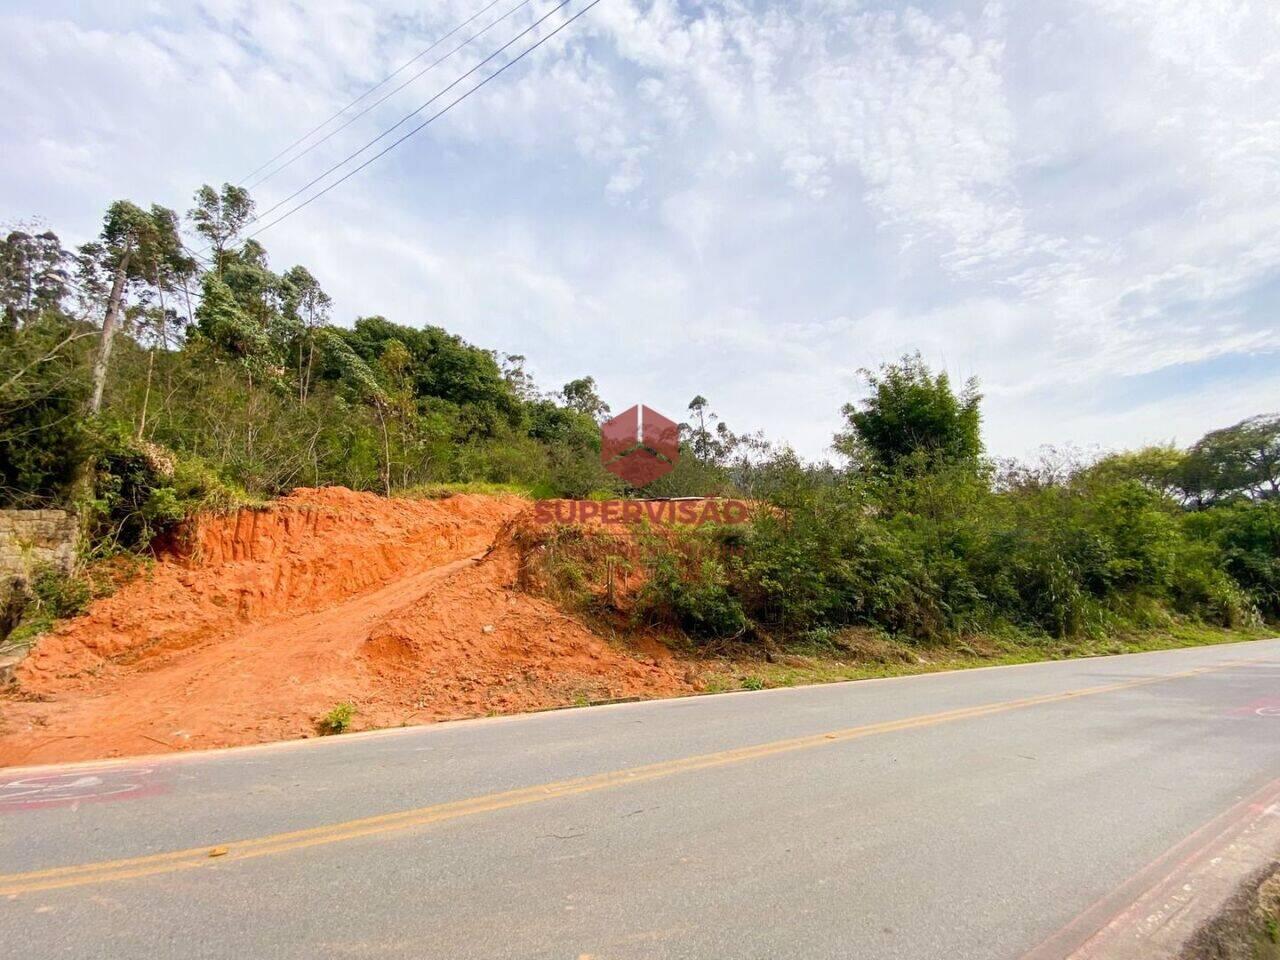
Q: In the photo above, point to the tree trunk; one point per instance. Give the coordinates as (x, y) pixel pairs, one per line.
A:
(386, 450)
(109, 324)
(146, 396)
(311, 357)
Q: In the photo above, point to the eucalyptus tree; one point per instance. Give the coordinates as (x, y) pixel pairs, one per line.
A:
(220, 217)
(306, 310)
(34, 276)
(136, 248)
(582, 395)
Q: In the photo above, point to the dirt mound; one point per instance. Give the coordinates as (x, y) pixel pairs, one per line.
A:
(267, 619)
(300, 554)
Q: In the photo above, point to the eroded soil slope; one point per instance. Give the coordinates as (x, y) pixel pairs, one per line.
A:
(405, 608)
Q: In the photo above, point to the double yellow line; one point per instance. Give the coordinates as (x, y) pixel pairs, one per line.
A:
(216, 854)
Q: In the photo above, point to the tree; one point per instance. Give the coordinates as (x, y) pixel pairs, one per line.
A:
(165, 267)
(446, 367)
(220, 217)
(306, 310)
(224, 324)
(581, 395)
(1240, 459)
(698, 436)
(912, 415)
(33, 276)
(360, 380)
(1162, 469)
(132, 245)
(517, 377)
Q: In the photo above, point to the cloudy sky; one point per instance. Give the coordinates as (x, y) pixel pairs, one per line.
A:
(1077, 202)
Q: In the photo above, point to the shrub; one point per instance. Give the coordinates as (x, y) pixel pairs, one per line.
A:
(60, 594)
(51, 595)
(1244, 539)
(688, 586)
(337, 720)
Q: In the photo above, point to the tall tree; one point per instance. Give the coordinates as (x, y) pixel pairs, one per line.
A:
(362, 383)
(912, 415)
(1240, 459)
(34, 276)
(220, 217)
(306, 310)
(166, 268)
(581, 395)
(132, 243)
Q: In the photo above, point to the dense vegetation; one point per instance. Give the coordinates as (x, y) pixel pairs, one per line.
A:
(140, 380)
(920, 535)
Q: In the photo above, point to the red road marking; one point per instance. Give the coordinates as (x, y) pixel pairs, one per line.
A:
(1265, 707)
(43, 791)
(1113, 909)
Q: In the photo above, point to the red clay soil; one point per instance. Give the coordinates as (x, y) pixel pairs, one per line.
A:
(273, 616)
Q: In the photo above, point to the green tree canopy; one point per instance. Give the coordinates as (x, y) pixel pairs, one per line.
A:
(913, 415)
(1243, 459)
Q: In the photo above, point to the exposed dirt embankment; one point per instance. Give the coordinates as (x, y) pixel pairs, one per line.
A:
(265, 620)
(302, 553)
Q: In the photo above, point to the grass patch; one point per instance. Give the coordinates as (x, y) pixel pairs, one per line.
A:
(871, 658)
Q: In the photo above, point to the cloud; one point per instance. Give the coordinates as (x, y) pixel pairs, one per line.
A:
(747, 200)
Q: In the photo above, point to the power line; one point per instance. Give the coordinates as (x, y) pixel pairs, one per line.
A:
(383, 99)
(400, 69)
(433, 117)
(409, 116)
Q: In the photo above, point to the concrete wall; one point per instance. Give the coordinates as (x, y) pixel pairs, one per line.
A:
(32, 537)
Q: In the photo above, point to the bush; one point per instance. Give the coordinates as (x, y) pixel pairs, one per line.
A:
(141, 490)
(51, 595)
(688, 586)
(337, 720)
(941, 552)
(60, 594)
(1244, 542)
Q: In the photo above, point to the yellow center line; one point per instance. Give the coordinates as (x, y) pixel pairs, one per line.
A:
(221, 853)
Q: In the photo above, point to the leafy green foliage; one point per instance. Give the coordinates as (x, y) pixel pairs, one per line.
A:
(947, 552)
(1241, 459)
(337, 720)
(233, 384)
(44, 387)
(238, 378)
(50, 595)
(912, 416)
(688, 585)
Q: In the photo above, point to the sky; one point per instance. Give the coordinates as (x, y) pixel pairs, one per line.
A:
(1077, 202)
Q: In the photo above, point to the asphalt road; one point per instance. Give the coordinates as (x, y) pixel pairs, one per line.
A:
(961, 815)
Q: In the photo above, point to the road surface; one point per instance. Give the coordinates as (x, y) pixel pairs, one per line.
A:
(982, 814)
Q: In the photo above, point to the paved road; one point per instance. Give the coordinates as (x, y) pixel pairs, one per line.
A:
(964, 815)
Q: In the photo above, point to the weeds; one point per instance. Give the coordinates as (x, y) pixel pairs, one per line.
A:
(338, 720)
(52, 594)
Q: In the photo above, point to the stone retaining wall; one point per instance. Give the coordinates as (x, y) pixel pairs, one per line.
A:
(29, 538)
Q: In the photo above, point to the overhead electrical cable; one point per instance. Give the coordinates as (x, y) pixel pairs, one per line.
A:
(409, 116)
(435, 116)
(387, 96)
(387, 79)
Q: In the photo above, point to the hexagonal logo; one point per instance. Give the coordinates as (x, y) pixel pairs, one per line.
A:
(639, 445)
